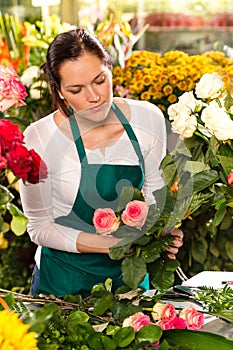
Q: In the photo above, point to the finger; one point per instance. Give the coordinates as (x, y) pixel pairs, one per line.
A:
(172, 250)
(177, 232)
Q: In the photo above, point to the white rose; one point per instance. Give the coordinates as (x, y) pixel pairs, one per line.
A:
(217, 121)
(209, 86)
(35, 90)
(187, 103)
(184, 124)
(29, 74)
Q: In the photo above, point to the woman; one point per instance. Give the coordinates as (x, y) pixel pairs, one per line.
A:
(93, 145)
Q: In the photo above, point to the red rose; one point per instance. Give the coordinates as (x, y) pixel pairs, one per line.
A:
(38, 168)
(10, 134)
(19, 161)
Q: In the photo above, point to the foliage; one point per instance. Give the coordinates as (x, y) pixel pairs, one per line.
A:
(96, 322)
(161, 79)
(141, 249)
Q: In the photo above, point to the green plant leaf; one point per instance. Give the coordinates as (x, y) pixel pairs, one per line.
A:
(226, 163)
(199, 250)
(5, 195)
(133, 270)
(195, 167)
(108, 343)
(197, 340)
(14, 210)
(19, 225)
(220, 213)
(124, 336)
(78, 316)
(161, 279)
(103, 304)
(149, 334)
(229, 249)
(95, 341)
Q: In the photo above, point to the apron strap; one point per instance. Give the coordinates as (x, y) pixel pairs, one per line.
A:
(77, 138)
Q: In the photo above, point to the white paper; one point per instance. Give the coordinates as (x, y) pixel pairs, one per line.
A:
(214, 279)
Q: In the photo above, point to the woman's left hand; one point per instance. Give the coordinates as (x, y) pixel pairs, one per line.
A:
(177, 237)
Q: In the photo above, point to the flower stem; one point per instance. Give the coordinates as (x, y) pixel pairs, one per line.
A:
(4, 304)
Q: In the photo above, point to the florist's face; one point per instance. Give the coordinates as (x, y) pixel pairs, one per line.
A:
(86, 84)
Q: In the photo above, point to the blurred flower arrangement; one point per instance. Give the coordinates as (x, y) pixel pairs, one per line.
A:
(15, 158)
(161, 79)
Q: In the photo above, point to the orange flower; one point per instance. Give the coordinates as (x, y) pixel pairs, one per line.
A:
(175, 186)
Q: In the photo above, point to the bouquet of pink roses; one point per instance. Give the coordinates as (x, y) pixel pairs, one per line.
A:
(142, 229)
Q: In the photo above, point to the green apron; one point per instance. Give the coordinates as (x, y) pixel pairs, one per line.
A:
(63, 273)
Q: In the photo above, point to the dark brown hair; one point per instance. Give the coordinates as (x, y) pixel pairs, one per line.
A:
(67, 46)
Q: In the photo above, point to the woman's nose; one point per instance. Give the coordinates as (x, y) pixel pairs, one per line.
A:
(92, 95)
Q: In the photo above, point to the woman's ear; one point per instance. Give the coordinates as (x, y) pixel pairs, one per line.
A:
(60, 95)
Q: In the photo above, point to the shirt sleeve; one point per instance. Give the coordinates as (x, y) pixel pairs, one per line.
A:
(155, 152)
(39, 209)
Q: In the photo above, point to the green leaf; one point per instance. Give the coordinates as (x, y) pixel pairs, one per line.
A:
(226, 315)
(164, 199)
(164, 345)
(103, 304)
(78, 316)
(127, 195)
(14, 210)
(108, 343)
(124, 336)
(133, 271)
(199, 250)
(229, 249)
(195, 167)
(5, 195)
(161, 279)
(200, 181)
(38, 320)
(197, 340)
(149, 334)
(19, 225)
(226, 163)
(220, 213)
(95, 341)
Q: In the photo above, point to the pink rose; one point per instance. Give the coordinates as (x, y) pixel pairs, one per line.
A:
(230, 178)
(137, 321)
(176, 323)
(105, 221)
(193, 319)
(12, 91)
(135, 213)
(166, 312)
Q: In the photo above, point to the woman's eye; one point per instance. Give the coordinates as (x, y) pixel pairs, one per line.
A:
(100, 81)
(75, 92)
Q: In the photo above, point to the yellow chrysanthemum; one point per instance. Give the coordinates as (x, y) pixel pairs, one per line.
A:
(14, 333)
(146, 96)
(172, 98)
(175, 68)
(167, 90)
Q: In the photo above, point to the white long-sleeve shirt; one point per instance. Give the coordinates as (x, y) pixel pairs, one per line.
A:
(54, 197)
